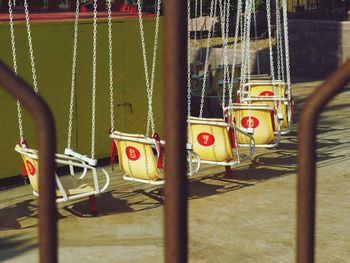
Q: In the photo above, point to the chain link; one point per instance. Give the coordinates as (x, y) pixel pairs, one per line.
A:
(14, 60)
(224, 13)
(248, 15)
(272, 69)
(195, 18)
(189, 59)
(206, 64)
(257, 46)
(286, 43)
(32, 59)
(110, 49)
(238, 22)
(149, 84)
(246, 44)
(280, 71)
(94, 52)
(226, 78)
(74, 62)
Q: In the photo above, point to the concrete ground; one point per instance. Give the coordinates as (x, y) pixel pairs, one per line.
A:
(245, 217)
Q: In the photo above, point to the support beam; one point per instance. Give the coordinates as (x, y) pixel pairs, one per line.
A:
(175, 112)
(46, 139)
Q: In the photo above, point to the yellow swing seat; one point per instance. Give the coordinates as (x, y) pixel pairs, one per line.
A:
(262, 92)
(31, 163)
(137, 158)
(212, 142)
(258, 120)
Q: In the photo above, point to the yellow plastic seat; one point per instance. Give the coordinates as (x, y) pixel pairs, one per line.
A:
(137, 159)
(258, 120)
(214, 141)
(262, 92)
(31, 163)
(141, 158)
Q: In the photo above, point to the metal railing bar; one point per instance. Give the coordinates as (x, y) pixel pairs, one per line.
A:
(306, 187)
(175, 115)
(46, 140)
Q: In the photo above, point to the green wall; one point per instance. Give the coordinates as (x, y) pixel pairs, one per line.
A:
(52, 44)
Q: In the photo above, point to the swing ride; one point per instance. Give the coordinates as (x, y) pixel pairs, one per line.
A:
(72, 159)
(135, 151)
(250, 110)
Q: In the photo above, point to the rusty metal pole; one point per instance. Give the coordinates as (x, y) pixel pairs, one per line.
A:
(175, 121)
(306, 185)
(46, 139)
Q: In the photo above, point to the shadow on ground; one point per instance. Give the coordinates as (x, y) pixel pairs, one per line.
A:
(13, 246)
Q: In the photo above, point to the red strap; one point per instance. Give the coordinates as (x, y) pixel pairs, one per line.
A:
(113, 151)
(293, 108)
(160, 162)
(272, 114)
(231, 133)
(24, 169)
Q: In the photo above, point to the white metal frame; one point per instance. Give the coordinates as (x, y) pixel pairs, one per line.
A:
(69, 152)
(235, 130)
(277, 133)
(71, 162)
(192, 156)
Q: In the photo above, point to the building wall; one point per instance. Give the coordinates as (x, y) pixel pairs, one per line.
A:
(318, 47)
(52, 43)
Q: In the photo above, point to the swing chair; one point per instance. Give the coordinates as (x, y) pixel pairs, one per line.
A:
(270, 91)
(69, 151)
(254, 115)
(30, 156)
(213, 139)
(31, 159)
(139, 156)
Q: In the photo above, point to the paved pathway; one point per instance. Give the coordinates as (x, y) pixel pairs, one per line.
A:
(245, 217)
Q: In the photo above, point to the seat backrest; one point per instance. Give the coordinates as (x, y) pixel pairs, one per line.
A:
(261, 120)
(210, 140)
(136, 158)
(265, 89)
(32, 168)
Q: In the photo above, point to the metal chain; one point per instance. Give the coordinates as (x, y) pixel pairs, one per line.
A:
(32, 59)
(195, 19)
(286, 43)
(248, 15)
(272, 70)
(94, 53)
(238, 22)
(201, 16)
(213, 26)
(246, 46)
(14, 59)
(280, 73)
(110, 49)
(189, 59)
(224, 13)
(149, 85)
(74, 63)
(257, 46)
(155, 48)
(206, 64)
(244, 40)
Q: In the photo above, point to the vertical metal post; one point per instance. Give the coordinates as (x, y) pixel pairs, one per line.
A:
(307, 157)
(46, 138)
(175, 115)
